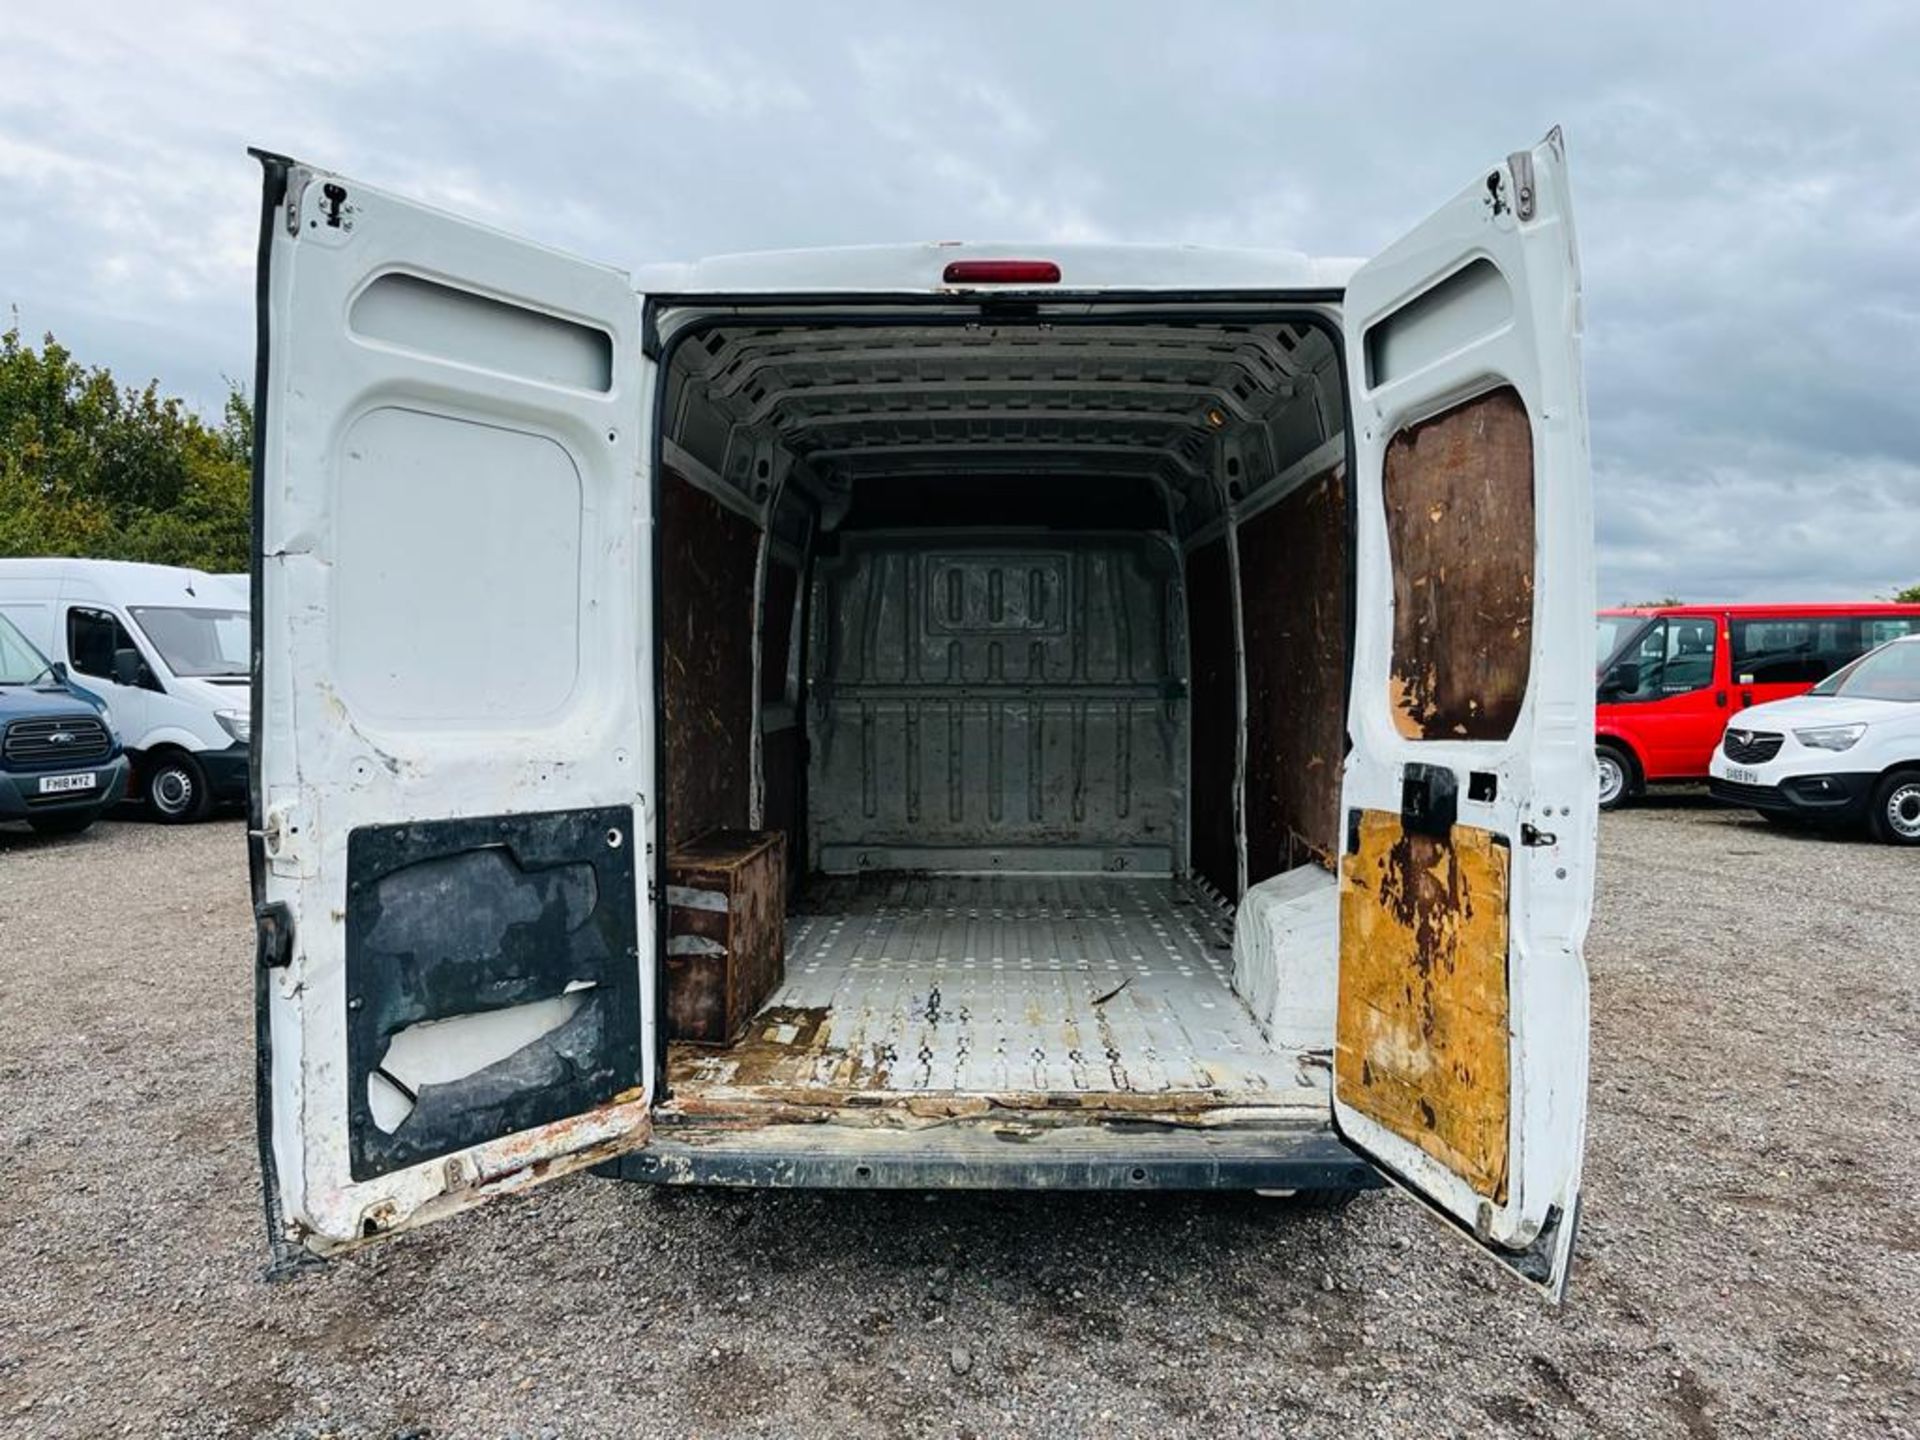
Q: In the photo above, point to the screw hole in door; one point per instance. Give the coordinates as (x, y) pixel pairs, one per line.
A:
(615, 839)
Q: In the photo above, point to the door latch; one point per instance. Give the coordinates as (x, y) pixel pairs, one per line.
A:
(283, 837)
(1534, 838)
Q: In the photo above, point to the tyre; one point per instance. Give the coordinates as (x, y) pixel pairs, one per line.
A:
(68, 824)
(176, 788)
(1895, 815)
(1617, 775)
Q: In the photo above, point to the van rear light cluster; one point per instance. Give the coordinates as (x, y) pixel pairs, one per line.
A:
(1002, 272)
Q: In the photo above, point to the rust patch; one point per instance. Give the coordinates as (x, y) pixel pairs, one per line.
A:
(1422, 1036)
(1459, 505)
(790, 1067)
(1293, 578)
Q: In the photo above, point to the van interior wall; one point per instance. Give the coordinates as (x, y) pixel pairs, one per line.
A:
(1215, 691)
(782, 742)
(707, 560)
(980, 667)
(1293, 582)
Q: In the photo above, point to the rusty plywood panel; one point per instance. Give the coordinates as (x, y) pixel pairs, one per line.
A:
(1293, 576)
(1421, 1039)
(1459, 503)
(1213, 711)
(726, 932)
(707, 557)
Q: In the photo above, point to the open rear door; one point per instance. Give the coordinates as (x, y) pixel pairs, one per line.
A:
(453, 731)
(1467, 879)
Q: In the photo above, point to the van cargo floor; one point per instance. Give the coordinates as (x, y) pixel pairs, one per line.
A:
(1033, 990)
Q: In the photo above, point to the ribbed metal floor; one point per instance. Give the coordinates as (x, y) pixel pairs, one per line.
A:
(1010, 986)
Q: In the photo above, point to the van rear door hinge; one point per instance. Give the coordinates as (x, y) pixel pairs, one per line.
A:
(1520, 163)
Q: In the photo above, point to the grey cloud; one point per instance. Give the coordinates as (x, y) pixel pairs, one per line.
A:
(1746, 186)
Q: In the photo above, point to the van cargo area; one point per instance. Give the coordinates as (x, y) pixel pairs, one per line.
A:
(1032, 640)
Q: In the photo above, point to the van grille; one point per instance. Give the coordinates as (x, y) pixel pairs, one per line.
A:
(1751, 747)
(63, 740)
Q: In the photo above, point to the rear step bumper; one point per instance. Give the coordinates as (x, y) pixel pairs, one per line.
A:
(996, 1155)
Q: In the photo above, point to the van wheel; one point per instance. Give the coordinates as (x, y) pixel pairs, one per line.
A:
(1617, 775)
(1896, 808)
(62, 824)
(176, 788)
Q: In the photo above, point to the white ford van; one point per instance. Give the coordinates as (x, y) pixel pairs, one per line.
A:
(167, 649)
(1847, 751)
(1170, 672)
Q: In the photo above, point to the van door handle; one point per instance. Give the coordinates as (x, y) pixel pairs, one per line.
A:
(1720, 698)
(1746, 697)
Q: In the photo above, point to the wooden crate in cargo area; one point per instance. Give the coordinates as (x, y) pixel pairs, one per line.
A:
(726, 932)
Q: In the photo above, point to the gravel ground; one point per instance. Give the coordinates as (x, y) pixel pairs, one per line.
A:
(1748, 1265)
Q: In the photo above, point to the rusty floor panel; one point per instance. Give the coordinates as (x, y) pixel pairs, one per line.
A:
(1114, 992)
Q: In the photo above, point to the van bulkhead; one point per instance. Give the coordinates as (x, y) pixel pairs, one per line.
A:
(1166, 674)
(167, 649)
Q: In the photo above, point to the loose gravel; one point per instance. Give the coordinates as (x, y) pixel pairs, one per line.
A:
(1749, 1264)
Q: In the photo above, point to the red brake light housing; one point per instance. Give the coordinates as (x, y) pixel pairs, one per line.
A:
(1002, 272)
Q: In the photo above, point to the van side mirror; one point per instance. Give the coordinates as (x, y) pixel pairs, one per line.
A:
(127, 667)
(59, 669)
(1623, 678)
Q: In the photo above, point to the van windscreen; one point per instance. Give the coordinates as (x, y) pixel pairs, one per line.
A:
(197, 642)
(1613, 631)
(20, 663)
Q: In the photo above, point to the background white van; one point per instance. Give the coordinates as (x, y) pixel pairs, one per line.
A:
(168, 649)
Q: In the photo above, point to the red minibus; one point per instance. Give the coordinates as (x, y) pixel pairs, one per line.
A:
(1670, 676)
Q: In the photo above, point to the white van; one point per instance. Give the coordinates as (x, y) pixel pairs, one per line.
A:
(167, 649)
(1845, 752)
(1169, 670)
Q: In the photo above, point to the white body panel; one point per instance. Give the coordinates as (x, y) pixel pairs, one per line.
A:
(37, 595)
(455, 619)
(906, 269)
(1890, 737)
(1544, 768)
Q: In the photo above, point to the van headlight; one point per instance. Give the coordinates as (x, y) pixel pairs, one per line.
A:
(237, 723)
(1830, 737)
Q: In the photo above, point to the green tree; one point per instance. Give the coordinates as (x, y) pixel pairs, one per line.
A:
(1908, 596)
(91, 468)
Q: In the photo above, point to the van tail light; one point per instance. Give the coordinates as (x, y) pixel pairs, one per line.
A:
(1002, 272)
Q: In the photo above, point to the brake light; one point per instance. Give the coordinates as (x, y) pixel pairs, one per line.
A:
(1002, 272)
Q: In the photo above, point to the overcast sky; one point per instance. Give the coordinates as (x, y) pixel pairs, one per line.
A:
(1746, 181)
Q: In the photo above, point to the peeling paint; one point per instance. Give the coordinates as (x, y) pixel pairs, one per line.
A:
(1422, 1037)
